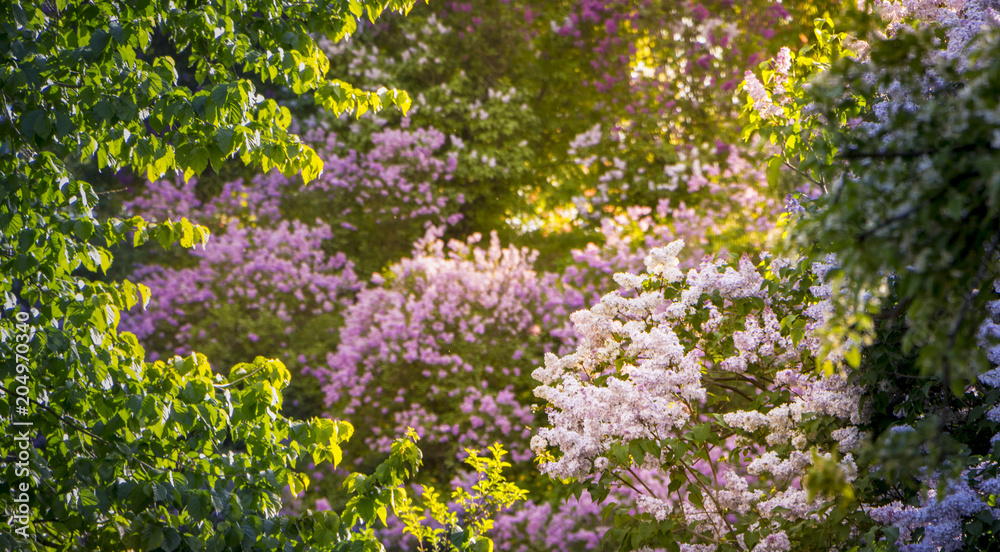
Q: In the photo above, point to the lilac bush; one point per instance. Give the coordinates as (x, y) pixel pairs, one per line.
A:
(701, 381)
(462, 325)
(253, 291)
(573, 524)
(283, 261)
(387, 194)
(889, 123)
(642, 80)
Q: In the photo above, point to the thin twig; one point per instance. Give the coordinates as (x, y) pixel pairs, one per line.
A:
(976, 281)
(734, 390)
(234, 382)
(65, 420)
(821, 185)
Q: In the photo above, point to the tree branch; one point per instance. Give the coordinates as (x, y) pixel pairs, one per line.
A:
(61, 418)
(976, 281)
(821, 185)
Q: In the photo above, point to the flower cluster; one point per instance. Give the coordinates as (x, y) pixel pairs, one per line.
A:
(463, 325)
(760, 97)
(572, 524)
(268, 291)
(281, 271)
(282, 262)
(699, 380)
(962, 20)
(932, 466)
(939, 518)
(399, 178)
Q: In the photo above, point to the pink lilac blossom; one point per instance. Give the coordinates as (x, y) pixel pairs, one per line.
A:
(171, 200)
(401, 177)
(268, 278)
(571, 525)
(459, 322)
(762, 102)
(245, 273)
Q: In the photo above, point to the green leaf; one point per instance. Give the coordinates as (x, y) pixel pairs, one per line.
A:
(26, 239)
(224, 139)
(171, 540)
(36, 123)
(144, 294)
(64, 125)
(151, 538)
(853, 356)
(313, 168)
(192, 159)
(381, 512)
(187, 233)
(355, 7)
(87, 498)
(701, 432)
(402, 100)
(336, 455)
(482, 544)
(83, 228)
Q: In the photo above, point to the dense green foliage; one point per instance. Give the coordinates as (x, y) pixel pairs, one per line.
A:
(103, 449)
(86, 79)
(900, 133)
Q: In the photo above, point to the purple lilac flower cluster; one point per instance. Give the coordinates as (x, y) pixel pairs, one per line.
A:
(399, 178)
(257, 289)
(572, 524)
(444, 342)
(272, 281)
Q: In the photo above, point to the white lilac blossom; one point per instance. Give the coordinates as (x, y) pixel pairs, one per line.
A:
(591, 137)
(663, 262)
(642, 372)
(653, 506)
(698, 548)
(782, 66)
(775, 542)
(736, 496)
